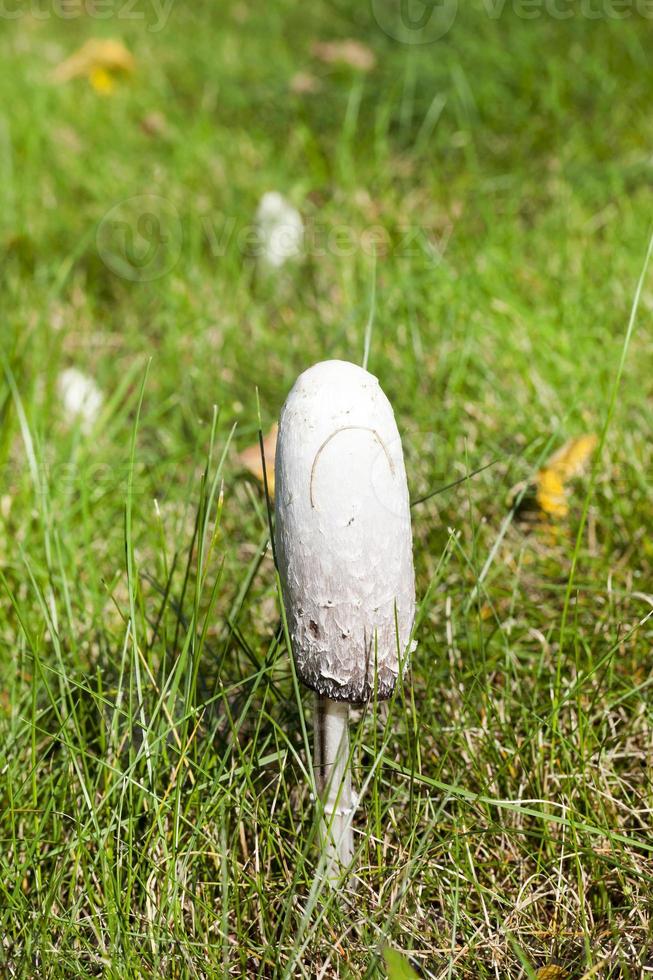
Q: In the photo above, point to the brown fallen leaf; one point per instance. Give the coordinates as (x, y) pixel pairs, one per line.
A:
(100, 60)
(250, 458)
(349, 52)
(303, 83)
(154, 124)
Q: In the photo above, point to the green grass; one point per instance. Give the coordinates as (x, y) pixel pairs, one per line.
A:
(155, 815)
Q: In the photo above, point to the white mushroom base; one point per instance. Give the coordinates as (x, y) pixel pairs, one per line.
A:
(333, 781)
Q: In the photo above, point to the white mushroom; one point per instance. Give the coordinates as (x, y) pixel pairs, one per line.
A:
(280, 230)
(81, 397)
(344, 551)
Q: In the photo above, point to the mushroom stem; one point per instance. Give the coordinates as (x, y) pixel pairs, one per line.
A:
(333, 780)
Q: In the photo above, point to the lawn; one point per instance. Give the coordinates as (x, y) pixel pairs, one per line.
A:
(480, 204)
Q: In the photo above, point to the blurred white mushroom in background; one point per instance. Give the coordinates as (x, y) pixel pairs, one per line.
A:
(280, 230)
(80, 396)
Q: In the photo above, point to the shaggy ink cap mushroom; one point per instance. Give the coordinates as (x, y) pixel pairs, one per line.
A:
(343, 533)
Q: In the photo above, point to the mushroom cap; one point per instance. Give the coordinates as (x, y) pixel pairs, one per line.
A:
(343, 534)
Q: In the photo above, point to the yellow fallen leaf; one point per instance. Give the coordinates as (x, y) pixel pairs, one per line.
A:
(250, 458)
(552, 972)
(97, 55)
(550, 493)
(349, 52)
(569, 461)
(102, 81)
